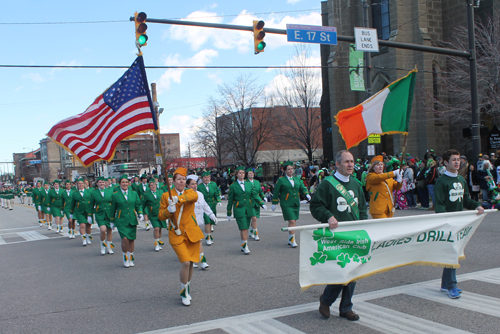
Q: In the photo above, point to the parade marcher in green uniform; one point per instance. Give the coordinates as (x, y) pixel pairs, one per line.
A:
(339, 198)
(81, 212)
(135, 185)
(211, 193)
(124, 206)
(66, 198)
(45, 204)
(241, 195)
(151, 201)
(142, 189)
(170, 182)
(159, 184)
(9, 197)
(37, 203)
(253, 232)
(29, 194)
(56, 205)
(452, 194)
(100, 203)
(259, 173)
(287, 192)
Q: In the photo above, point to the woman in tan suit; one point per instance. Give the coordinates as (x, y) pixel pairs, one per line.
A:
(381, 186)
(185, 239)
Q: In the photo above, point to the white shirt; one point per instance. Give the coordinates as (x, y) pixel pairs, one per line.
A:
(125, 194)
(291, 180)
(242, 184)
(448, 173)
(201, 207)
(342, 177)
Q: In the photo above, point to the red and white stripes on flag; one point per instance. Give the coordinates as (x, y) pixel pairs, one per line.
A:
(123, 110)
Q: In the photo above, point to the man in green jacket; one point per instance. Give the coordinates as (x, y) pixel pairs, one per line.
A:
(339, 198)
(211, 192)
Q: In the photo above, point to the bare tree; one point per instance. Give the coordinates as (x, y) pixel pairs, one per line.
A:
(209, 139)
(457, 77)
(299, 90)
(246, 128)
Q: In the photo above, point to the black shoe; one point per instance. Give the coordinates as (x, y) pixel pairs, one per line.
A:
(324, 309)
(351, 316)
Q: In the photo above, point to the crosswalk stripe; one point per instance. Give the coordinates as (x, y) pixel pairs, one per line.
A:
(269, 326)
(2, 241)
(469, 301)
(32, 236)
(390, 321)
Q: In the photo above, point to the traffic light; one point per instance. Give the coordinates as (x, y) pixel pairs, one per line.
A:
(140, 29)
(258, 36)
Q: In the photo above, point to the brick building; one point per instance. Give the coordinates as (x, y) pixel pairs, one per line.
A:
(406, 21)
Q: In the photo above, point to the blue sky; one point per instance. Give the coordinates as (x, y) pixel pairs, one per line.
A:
(35, 99)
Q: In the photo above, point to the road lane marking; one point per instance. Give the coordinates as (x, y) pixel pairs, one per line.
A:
(32, 236)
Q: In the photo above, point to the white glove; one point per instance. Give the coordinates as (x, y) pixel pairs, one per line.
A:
(228, 218)
(219, 204)
(265, 199)
(172, 208)
(141, 218)
(112, 225)
(308, 197)
(70, 216)
(178, 232)
(264, 207)
(39, 208)
(213, 218)
(273, 207)
(89, 220)
(48, 209)
(174, 200)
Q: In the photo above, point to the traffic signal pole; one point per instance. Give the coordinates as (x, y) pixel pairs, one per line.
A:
(469, 54)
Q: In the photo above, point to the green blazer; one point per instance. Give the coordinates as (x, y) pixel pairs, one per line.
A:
(239, 201)
(123, 211)
(152, 204)
(36, 196)
(43, 197)
(212, 196)
(56, 199)
(258, 189)
(80, 206)
(287, 195)
(101, 206)
(140, 190)
(66, 200)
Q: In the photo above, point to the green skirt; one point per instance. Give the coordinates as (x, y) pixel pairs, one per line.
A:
(67, 214)
(104, 222)
(290, 212)
(158, 223)
(56, 211)
(127, 231)
(256, 212)
(243, 223)
(45, 210)
(80, 218)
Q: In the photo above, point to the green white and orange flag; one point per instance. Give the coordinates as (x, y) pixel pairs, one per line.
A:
(386, 112)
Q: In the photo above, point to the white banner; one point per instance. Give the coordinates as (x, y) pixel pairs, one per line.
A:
(359, 249)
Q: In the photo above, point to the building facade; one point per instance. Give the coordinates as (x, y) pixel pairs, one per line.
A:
(408, 21)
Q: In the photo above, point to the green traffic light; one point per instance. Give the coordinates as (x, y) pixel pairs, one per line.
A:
(261, 46)
(142, 39)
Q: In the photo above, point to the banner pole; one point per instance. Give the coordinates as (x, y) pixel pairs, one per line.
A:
(368, 221)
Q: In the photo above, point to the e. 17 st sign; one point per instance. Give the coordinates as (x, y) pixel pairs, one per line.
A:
(311, 34)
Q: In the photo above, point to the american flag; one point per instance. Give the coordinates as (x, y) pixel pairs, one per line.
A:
(121, 111)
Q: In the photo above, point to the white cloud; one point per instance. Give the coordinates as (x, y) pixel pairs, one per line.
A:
(215, 78)
(293, 2)
(18, 89)
(202, 58)
(36, 77)
(242, 41)
(181, 124)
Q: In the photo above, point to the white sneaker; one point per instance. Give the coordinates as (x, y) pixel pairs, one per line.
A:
(157, 247)
(195, 265)
(131, 261)
(210, 240)
(185, 301)
(89, 239)
(291, 241)
(148, 227)
(110, 248)
(251, 235)
(126, 262)
(84, 241)
(257, 237)
(212, 228)
(244, 248)
(103, 248)
(50, 226)
(204, 265)
(41, 224)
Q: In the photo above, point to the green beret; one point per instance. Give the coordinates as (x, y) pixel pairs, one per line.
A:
(249, 169)
(144, 176)
(67, 181)
(46, 182)
(170, 176)
(240, 168)
(100, 178)
(155, 176)
(152, 181)
(205, 174)
(124, 176)
(288, 163)
(40, 181)
(57, 181)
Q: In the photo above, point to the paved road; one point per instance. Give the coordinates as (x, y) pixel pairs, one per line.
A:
(51, 284)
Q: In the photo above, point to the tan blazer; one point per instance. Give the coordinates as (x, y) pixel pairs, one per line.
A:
(380, 198)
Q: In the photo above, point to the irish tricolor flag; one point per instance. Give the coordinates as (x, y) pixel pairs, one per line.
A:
(386, 112)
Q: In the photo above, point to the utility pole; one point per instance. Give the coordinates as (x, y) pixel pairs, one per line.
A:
(368, 56)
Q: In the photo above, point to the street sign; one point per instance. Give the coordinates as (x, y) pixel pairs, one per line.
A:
(311, 34)
(366, 39)
(33, 162)
(374, 139)
(159, 159)
(370, 149)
